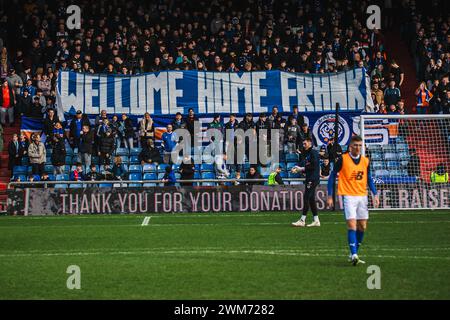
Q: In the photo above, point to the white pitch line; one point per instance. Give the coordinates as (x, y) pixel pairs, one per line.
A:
(214, 224)
(213, 252)
(209, 215)
(146, 221)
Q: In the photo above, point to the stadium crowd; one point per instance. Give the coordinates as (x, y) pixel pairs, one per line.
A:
(132, 37)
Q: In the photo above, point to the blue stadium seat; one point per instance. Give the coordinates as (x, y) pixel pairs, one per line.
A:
(197, 167)
(25, 161)
(176, 167)
(95, 160)
(69, 160)
(197, 175)
(48, 168)
(122, 152)
(284, 174)
(105, 185)
(149, 167)
(292, 157)
(265, 171)
(402, 147)
(392, 165)
(150, 176)
(124, 159)
(18, 170)
(135, 176)
(62, 177)
(135, 151)
(177, 176)
(296, 182)
(76, 185)
(135, 168)
(376, 165)
(160, 175)
(381, 173)
(207, 167)
(48, 159)
(149, 184)
(208, 175)
(69, 152)
(388, 148)
(404, 155)
(375, 155)
(390, 156)
(134, 160)
(395, 173)
(162, 167)
(290, 165)
(48, 151)
(60, 186)
(294, 175)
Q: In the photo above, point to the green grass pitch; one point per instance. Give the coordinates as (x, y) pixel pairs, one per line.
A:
(223, 256)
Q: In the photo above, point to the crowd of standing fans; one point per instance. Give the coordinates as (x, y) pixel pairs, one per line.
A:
(133, 37)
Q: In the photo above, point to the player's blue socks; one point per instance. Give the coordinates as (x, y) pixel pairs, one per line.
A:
(352, 242)
(359, 238)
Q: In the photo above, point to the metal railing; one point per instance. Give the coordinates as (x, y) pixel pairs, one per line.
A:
(124, 183)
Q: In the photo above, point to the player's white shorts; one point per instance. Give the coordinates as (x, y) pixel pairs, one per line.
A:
(356, 207)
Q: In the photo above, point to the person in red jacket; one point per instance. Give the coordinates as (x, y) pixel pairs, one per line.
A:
(7, 103)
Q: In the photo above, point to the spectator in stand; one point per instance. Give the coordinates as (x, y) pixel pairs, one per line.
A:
(382, 109)
(150, 154)
(49, 125)
(58, 156)
(15, 156)
(401, 107)
(190, 123)
(77, 174)
(392, 94)
(126, 129)
(423, 98)
(42, 99)
(76, 129)
(169, 178)
(169, 141)
(253, 174)
(413, 167)
(85, 147)
(334, 150)
(23, 145)
(44, 84)
(93, 175)
(14, 81)
(292, 135)
(178, 122)
(187, 170)
(7, 103)
(306, 133)
(392, 110)
(446, 104)
(118, 170)
(114, 125)
(146, 130)
(24, 103)
(325, 168)
(397, 74)
(106, 147)
(37, 154)
(379, 95)
(221, 167)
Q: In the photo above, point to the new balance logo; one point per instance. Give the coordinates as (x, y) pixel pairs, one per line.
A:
(357, 175)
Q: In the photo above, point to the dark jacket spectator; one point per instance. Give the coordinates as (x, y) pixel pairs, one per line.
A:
(150, 154)
(187, 171)
(253, 174)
